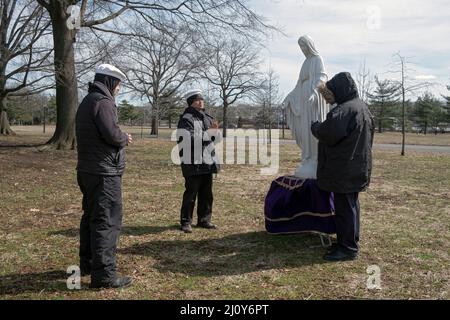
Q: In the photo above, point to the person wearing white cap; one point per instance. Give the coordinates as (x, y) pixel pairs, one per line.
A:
(101, 164)
(197, 128)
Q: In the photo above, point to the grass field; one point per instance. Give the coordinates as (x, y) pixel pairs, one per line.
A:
(405, 231)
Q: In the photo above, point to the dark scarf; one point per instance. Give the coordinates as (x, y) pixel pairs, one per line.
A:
(109, 81)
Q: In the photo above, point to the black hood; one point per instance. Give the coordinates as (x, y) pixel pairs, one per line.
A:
(108, 81)
(343, 87)
(101, 88)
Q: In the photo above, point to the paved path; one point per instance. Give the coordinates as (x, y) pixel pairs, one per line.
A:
(418, 148)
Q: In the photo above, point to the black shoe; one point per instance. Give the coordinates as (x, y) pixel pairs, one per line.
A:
(119, 282)
(85, 268)
(207, 225)
(186, 228)
(340, 255)
(332, 248)
(85, 271)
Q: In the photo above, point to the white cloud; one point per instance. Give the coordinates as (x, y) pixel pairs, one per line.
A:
(344, 37)
(425, 77)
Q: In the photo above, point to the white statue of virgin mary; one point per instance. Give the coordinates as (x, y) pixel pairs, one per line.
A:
(305, 105)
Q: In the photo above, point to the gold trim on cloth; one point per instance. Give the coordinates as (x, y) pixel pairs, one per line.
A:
(297, 232)
(291, 182)
(320, 215)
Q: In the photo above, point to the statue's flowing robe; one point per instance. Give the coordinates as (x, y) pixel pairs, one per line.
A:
(301, 113)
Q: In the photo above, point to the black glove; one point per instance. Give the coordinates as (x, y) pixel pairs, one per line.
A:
(314, 125)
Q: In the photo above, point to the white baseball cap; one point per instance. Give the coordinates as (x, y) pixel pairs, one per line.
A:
(110, 70)
(191, 93)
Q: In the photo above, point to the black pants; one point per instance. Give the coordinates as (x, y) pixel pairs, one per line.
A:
(100, 224)
(200, 186)
(347, 220)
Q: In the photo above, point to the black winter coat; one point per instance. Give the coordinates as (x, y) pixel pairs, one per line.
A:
(345, 140)
(100, 142)
(196, 124)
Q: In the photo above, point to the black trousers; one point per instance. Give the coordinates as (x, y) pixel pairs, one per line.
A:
(347, 220)
(201, 187)
(100, 224)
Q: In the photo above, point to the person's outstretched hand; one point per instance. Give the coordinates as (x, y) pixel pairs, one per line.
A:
(130, 139)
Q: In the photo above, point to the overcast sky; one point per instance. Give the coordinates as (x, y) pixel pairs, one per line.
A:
(346, 32)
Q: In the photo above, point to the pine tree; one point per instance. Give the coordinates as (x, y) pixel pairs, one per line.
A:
(383, 101)
(447, 107)
(127, 112)
(428, 112)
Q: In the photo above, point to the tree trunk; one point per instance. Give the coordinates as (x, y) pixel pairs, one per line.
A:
(380, 123)
(270, 131)
(154, 131)
(155, 120)
(66, 81)
(5, 129)
(225, 118)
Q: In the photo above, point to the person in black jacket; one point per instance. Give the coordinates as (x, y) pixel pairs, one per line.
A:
(345, 159)
(197, 133)
(101, 164)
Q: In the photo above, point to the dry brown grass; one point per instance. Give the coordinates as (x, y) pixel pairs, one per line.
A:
(405, 231)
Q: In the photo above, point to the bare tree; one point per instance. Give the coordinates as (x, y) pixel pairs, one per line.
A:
(269, 97)
(406, 85)
(232, 67)
(108, 17)
(160, 63)
(364, 81)
(23, 59)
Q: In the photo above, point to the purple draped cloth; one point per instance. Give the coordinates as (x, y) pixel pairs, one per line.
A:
(294, 205)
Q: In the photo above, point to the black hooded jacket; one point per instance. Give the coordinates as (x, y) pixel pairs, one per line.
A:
(100, 142)
(345, 140)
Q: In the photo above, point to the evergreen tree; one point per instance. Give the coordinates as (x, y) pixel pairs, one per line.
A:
(383, 102)
(428, 112)
(447, 107)
(127, 113)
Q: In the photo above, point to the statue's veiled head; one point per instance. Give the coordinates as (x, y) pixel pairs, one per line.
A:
(306, 43)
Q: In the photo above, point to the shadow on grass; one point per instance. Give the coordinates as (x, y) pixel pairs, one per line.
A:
(16, 145)
(232, 255)
(126, 231)
(45, 282)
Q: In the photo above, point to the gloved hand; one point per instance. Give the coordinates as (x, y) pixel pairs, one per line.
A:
(314, 125)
